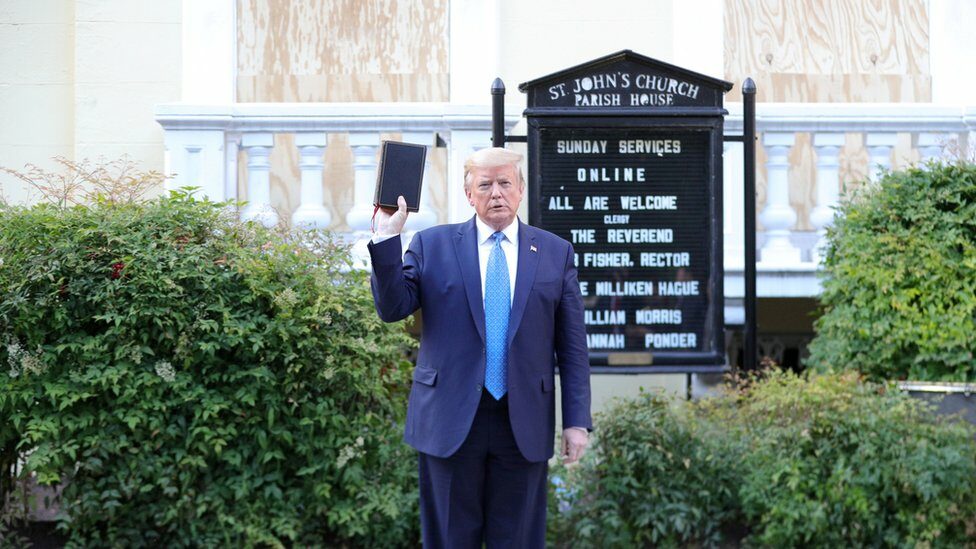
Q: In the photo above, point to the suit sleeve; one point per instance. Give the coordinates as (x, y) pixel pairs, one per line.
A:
(572, 353)
(395, 280)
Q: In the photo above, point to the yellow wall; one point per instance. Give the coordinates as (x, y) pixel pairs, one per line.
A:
(36, 87)
(81, 80)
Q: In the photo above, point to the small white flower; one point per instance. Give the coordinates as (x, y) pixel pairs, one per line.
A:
(135, 355)
(22, 361)
(286, 299)
(165, 370)
(348, 453)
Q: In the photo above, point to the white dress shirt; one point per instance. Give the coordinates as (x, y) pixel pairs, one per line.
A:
(509, 245)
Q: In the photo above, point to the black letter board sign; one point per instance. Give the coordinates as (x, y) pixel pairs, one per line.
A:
(625, 162)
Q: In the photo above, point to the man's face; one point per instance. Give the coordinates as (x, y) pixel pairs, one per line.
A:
(495, 194)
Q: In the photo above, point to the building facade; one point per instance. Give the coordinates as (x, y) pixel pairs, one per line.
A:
(283, 103)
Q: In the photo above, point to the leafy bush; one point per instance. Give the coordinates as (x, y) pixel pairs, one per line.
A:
(787, 461)
(899, 294)
(196, 381)
(654, 477)
(833, 462)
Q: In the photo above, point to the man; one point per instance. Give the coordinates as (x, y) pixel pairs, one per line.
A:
(501, 310)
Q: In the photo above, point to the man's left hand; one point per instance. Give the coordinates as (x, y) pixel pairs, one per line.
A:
(574, 444)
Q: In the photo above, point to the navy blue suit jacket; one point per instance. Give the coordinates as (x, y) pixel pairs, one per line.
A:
(440, 275)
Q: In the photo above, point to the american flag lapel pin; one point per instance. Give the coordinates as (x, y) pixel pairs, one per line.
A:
(533, 248)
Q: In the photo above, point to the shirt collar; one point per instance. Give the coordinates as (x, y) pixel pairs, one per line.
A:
(485, 232)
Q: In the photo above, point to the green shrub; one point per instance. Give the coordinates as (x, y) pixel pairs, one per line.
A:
(654, 477)
(834, 462)
(899, 297)
(196, 381)
(786, 461)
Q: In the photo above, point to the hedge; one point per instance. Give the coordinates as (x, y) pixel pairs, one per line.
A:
(192, 380)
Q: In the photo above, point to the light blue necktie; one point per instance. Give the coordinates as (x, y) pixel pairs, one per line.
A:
(497, 307)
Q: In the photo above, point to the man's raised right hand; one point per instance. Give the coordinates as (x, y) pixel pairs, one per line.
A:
(390, 223)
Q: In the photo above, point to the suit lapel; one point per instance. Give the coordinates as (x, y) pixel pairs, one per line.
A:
(528, 260)
(466, 248)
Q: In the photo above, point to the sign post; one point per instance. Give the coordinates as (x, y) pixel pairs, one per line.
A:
(625, 162)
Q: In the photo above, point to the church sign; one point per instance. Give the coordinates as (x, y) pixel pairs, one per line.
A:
(625, 162)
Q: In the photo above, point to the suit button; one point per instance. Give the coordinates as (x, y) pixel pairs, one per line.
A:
(478, 388)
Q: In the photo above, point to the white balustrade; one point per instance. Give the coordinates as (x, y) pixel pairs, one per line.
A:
(202, 143)
(778, 216)
(258, 146)
(311, 213)
(828, 147)
(879, 147)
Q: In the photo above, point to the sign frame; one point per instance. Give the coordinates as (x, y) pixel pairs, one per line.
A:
(707, 118)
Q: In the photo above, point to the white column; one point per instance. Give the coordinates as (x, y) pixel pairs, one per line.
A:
(733, 196)
(364, 147)
(258, 147)
(969, 118)
(359, 218)
(778, 216)
(929, 146)
(828, 147)
(474, 49)
(461, 144)
(195, 158)
(209, 51)
(879, 147)
(951, 47)
(232, 144)
(311, 213)
(426, 216)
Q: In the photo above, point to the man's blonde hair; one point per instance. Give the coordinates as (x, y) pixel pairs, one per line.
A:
(492, 158)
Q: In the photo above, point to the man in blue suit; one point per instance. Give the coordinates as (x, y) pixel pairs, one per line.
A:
(501, 310)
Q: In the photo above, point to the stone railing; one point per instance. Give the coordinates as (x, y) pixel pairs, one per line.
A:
(204, 145)
(814, 148)
(843, 145)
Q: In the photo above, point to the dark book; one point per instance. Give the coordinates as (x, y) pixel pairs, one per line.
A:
(400, 172)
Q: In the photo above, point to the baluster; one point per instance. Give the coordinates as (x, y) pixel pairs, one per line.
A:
(426, 217)
(311, 213)
(969, 119)
(364, 145)
(232, 144)
(879, 147)
(828, 147)
(460, 145)
(929, 146)
(258, 147)
(778, 217)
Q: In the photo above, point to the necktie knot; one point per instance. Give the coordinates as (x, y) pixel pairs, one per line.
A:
(498, 236)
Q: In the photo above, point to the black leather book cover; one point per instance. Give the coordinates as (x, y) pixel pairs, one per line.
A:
(400, 172)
